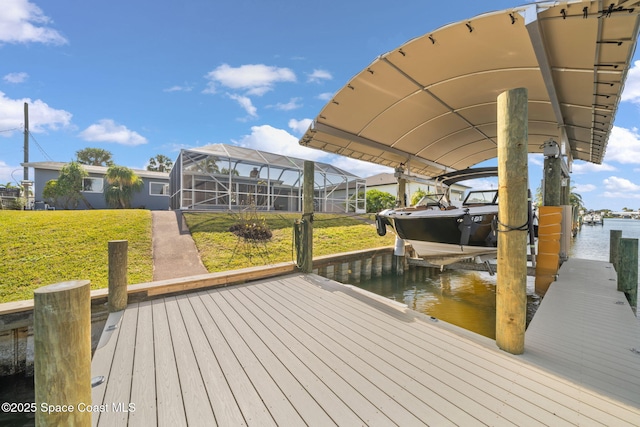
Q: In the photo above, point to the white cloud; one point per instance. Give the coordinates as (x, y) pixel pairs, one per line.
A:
(278, 141)
(620, 188)
(245, 103)
(357, 167)
(106, 130)
(623, 146)
(318, 76)
(631, 91)
(621, 196)
(580, 167)
(179, 88)
(16, 77)
(10, 174)
(620, 184)
(23, 22)
(293, 104)
(536, 159)
(326, 96)
(299, 126)
(254, 79)
(41, 116)
(584, 188)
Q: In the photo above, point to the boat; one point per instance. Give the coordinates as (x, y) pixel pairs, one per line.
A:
(587, 219)
(597, 219)
(442, 233)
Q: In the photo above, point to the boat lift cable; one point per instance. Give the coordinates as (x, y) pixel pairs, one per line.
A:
(508, 228)
(524, 227)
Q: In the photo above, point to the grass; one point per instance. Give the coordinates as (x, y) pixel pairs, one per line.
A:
(221, 250)
(38, 248)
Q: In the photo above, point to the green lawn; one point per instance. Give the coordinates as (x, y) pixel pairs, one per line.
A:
(44, 247)
(221, 250)
(39, 248)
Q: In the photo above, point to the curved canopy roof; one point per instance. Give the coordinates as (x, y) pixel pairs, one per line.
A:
(431, 104)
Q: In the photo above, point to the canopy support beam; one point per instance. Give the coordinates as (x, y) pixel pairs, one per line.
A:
(339, 133)
(539, 47)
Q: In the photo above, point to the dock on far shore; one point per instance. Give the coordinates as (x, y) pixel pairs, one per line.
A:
(301, 349)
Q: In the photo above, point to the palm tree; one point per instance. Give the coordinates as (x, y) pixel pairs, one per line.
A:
(122, 182)
(575, 199)
(160, 163)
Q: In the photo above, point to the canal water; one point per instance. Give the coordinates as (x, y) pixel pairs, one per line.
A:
(463, 298)
(467, 298)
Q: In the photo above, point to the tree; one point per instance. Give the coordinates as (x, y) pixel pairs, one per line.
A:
(379, 200)
(94, 157)
(68, 187)
(419, 194)
(50, 192)
(160, 163)
(575, 199)
(225, 171)
(208, 165)
(122, 182)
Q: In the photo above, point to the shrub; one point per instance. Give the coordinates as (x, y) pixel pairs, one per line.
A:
(379, 200)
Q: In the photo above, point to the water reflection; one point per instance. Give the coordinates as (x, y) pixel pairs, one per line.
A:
(463, 298)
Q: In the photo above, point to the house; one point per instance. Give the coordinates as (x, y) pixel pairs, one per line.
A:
(228, 177)
(388, 183)
(153, 195)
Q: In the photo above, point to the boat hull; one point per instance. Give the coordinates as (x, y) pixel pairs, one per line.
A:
(445, 237)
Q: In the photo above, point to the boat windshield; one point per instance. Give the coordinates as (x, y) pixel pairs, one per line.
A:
(432, 200)
(484, 197)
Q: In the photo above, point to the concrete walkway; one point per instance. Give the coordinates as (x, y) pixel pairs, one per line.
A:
(174, 252)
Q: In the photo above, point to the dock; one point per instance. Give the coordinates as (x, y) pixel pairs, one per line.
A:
(300, 349)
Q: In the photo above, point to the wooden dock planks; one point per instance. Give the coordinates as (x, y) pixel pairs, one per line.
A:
(305, 350)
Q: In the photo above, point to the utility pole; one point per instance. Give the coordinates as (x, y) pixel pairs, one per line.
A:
(26, 141)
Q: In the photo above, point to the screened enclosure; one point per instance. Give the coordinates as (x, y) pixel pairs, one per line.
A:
(226, 177)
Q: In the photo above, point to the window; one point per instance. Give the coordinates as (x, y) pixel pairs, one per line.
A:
(158, 189)
(92, 185)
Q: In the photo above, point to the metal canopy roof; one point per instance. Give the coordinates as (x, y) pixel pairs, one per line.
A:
(431, 104)
(258, 157)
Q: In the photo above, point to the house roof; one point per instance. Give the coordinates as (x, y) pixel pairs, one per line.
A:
(431, 104)
(101, 170)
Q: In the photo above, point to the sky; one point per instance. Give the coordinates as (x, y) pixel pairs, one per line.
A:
(142, 78)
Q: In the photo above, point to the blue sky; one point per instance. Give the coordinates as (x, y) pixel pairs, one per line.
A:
(141, 78)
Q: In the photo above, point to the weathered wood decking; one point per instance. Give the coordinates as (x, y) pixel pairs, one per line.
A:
(305, 350)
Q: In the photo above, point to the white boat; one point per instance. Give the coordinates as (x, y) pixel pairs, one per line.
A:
(597, 219)
(441, 233)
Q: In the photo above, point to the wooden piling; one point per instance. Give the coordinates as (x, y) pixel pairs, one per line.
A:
(511, 288)
(343, 273)
(62, 353)
(387, 263)
(376, 266)
(330, 272)
(118, 264)
(367, 264)
(614, 247)
(355, 271)
(628, 270)
(398, 256)
(552, 181)
(307, 216)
